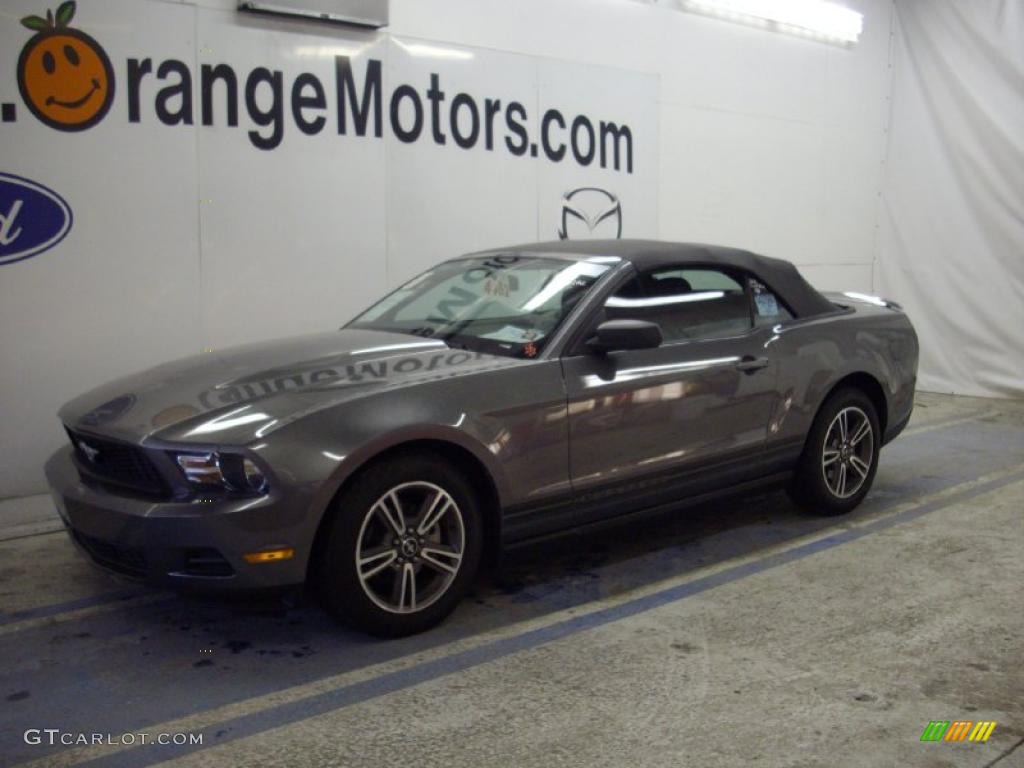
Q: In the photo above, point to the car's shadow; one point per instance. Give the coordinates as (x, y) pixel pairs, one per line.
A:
(572, 570)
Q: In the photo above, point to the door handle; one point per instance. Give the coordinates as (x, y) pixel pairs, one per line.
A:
(749, 363)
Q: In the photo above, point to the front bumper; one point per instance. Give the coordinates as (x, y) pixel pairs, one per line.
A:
(183, 544)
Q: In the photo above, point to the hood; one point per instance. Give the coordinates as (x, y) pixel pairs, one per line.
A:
(235, 395)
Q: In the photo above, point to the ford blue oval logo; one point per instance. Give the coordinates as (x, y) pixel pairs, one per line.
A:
(33, 218)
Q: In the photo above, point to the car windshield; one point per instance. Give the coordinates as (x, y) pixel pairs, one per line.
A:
(506, 304)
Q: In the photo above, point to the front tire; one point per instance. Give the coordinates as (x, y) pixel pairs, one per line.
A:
(840, 457)
(403, 547)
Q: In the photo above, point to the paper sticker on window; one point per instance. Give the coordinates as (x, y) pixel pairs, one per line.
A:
(501, 285)
(767, 306)
(514, 334)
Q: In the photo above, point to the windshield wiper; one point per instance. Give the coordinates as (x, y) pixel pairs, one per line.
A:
(456, 329)
(455, 341)
(427, 332)
(423, 331)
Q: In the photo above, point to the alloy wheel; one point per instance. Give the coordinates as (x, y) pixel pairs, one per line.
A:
(848, 452)
(410, 547)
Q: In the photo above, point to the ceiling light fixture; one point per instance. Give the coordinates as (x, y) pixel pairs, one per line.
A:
(809, 18)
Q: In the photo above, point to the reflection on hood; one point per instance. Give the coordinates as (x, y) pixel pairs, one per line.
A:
(208, 392)
(340, 372)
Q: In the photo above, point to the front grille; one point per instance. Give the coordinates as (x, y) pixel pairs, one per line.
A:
(127, 560)
(124, 466)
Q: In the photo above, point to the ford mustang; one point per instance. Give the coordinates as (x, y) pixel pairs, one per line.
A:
(494, 399)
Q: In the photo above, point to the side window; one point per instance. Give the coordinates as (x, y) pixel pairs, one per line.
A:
(768, 309)
(687, 303)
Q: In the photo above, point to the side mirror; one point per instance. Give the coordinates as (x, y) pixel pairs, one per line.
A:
(612, 335)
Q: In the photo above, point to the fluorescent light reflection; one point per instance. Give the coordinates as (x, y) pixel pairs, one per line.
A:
(877, 301)
(559, 282)
(630, 374)
(392, 347)
(660, 301)
(228, 421)
(433, 51)
(327, 51)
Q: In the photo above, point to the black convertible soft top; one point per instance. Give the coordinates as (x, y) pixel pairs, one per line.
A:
(781, 276)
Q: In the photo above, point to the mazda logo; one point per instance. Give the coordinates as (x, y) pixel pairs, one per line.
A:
(590, 212)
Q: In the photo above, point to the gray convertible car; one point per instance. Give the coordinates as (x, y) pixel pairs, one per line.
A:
(494, 399)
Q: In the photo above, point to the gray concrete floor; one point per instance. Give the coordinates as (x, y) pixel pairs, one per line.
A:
(733, 634)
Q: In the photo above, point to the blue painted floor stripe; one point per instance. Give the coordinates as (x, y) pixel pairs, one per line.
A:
(356, 693)
(71, 605)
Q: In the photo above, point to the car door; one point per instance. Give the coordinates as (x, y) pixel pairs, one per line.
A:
(649, 426)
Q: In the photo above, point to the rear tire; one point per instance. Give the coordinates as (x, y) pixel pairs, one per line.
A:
(403, 547)
(840, 457)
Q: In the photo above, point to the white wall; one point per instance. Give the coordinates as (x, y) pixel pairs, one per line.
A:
(767, 141)
(952, 244)
(760, 140)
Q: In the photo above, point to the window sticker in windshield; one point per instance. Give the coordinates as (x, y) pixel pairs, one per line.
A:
(459, 297)
(501, 285)
(514, 334)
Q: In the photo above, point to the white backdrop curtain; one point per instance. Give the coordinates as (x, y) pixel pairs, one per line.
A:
(951, 246)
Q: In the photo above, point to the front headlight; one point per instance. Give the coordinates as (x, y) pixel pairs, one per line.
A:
(226, 471)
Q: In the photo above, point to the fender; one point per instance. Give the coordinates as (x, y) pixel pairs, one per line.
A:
(368, 451)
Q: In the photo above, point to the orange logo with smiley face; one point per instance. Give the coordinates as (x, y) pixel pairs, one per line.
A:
(64, 75)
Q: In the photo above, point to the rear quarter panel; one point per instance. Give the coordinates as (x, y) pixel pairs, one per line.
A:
(818, 353)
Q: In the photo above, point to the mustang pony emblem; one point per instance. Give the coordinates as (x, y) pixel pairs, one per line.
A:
(90, 452)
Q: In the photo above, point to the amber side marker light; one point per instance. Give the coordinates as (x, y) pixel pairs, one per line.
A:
(270, 555)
